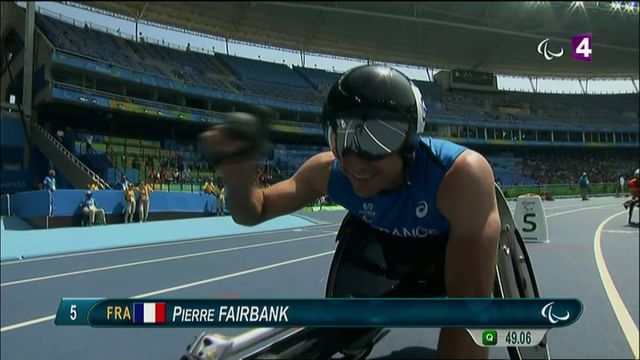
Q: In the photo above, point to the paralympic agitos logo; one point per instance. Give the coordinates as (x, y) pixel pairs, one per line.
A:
(544, 50)
(547, 312)
(581, 48)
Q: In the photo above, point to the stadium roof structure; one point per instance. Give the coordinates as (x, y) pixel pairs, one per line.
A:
(498, 37)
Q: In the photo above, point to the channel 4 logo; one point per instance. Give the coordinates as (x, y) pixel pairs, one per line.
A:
(581, 48)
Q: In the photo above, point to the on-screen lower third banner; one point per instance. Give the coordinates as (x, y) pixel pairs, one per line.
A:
(466, 313)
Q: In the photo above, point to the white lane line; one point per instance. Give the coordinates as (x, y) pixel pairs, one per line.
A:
(175, 243)
(27, 323)
(624, 318)
(620, 232)
(582, 209)
(512, 208)
(562, 207)
(179, 287)
(201, 282)
(119, 266)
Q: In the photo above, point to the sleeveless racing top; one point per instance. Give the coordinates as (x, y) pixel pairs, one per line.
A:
(410, 211)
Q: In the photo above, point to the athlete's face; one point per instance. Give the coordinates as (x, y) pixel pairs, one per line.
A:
(369, 177)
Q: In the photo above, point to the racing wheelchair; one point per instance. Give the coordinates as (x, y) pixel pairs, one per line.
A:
(362, 268)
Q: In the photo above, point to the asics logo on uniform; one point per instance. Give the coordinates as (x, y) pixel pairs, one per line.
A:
(422, 209)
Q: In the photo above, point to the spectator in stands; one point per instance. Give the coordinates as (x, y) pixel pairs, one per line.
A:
(634, 191)
(124, 183)
(152, 176)
(619, 184)
(559, 169)
(145, 195)
(177, 176)
(89, 208)
(50, 181)
(158, 177)
(94, 185)
(186, 173)
(220, 198)
(208, 187)
(583, 182)
(89, 144)
(60, 135)
(320, 202)
(162, 175)
(130, 203)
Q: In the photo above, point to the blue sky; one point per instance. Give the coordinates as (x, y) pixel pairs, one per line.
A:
(180, 39)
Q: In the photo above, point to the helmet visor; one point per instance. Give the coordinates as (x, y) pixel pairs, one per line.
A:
(373, 138)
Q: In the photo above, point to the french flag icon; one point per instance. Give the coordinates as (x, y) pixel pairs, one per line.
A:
(149, 313)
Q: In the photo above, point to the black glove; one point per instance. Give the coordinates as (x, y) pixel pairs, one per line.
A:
(252, 130)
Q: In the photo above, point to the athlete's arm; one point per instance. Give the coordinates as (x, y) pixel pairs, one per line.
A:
(467, 199)
(250, 206)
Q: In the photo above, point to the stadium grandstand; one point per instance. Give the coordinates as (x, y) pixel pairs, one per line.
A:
(100, 106)
(142, 103)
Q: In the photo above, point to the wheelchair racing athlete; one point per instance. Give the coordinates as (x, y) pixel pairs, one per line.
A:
(634, 192)
(429, 205)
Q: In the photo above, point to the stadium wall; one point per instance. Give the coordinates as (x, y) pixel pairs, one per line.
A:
(44, 209)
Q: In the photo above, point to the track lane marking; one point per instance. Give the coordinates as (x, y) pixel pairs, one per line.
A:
(169, 258)
(179, 287)
(223, 277)
(27, 323)
(168, 243)
(563, 207)
(582, 209)
(620, 232)
(181, 242)
(622, 314)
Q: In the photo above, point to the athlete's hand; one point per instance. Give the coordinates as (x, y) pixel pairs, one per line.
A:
(241, 138)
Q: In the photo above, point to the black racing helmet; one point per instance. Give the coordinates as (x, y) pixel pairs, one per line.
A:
(373, 110)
